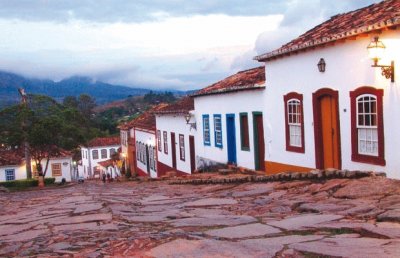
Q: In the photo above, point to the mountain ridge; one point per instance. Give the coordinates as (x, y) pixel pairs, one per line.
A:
(72, 86)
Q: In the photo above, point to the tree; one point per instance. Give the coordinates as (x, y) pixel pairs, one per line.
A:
(86, 104)
(49, 129)
(71, 102)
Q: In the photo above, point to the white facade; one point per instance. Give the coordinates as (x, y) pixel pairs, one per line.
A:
(348, 67)
(235, 103)
(58, 168)
(146, 152)
(90, 163)
(174, 124)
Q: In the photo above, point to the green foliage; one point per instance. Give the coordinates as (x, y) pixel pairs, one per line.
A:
(154, 98)
(25, 183)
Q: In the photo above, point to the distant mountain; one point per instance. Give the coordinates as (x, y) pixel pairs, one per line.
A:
(73, 86)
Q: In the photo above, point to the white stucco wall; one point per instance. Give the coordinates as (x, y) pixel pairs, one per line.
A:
(347, 67)
(20, 171)
(229, 103)
(177, 125)
(149, 139)
(89, 162)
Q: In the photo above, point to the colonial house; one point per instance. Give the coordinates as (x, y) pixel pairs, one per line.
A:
(144, 137)
(333, 95)
(229, 117)
(13, 166)
(176, 131)
(97, 150)
(128, 150)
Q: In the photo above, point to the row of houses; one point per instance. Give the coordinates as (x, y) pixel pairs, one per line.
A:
(327, 99)
(315, 103)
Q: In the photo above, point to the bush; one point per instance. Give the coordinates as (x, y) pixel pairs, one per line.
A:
(24, 183)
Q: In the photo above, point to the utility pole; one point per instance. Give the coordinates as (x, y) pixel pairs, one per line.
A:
(24, 102)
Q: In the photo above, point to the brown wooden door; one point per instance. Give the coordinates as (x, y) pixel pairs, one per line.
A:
(259, 146)
(327, 129)
(192, 154)
(173, 150)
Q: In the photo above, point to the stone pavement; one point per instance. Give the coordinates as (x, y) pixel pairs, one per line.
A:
(330, 218)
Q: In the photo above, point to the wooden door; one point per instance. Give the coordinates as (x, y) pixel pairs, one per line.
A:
(231, 138)
(173, 150)
(327, 129)
(192, 154)
(259, 146)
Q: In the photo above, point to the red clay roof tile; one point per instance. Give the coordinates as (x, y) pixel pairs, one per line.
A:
(374, 17)
(182, 106)
(243, 80)
(147, 120)
(104, 141)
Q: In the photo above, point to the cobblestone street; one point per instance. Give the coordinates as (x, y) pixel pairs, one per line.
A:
(337, 217)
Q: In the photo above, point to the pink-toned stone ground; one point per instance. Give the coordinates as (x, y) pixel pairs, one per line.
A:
(337, 217)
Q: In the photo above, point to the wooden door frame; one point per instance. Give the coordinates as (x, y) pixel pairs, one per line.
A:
(228, 116)
(319, 151)
(255, 141)
(192, 153)
(173, 150)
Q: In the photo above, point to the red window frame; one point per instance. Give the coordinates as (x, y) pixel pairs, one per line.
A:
(165, 138)
(286, 98)
(159, 140)
(182, 147)
(356, 156)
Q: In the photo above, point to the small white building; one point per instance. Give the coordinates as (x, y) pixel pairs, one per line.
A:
(98, 150)
(176, 137)
(13, 166)
(325, 106)
(144, 135)
(229, 118)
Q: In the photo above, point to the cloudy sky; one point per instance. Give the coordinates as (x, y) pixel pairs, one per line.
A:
(160, 44)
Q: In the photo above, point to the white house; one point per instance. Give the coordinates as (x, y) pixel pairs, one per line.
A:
(12, 166)
(325, 106)
(229, 117)
(144, 135)
(98, 150)
(176, 137)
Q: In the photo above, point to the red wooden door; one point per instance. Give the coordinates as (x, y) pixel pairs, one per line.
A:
(192, 154)
(173, 150)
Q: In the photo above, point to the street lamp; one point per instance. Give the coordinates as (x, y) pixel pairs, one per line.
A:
(376, 50)
(188, 116)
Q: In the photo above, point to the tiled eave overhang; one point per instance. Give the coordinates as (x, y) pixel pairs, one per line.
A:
(389, 24)
(230, 90)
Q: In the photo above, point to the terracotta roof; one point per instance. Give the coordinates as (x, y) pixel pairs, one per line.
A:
(11, 157)
(182, 106)
(374, 17)
(104, 141)
(147, 120)
(243, 80)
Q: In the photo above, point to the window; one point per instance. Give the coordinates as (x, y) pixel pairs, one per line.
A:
(182, 146)
(244, 131)
(165, 138)
(103, 153)
(35, 172)
(294, 125)
(83, 154)
(56, 169)
(95, 154)
(159, 140)
(218, 131)
(151, 161)
(155, 159)
(112, 151)
(10, 174)
(144, 153)
(137, 151)
(367, 125)
(206, 130)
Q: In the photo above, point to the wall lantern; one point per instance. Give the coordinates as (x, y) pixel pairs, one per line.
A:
(188, 116)
(376, 49)
(321, 65)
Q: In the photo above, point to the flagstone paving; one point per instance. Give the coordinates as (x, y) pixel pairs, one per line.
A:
(337, 217)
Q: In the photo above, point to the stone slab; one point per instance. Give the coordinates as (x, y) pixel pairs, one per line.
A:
(87, 207)
(213, 220)
(244, 231)
(210, 202)
(303, 221)
(84, 218)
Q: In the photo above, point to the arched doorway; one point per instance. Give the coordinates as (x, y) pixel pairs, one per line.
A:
(327, 129)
